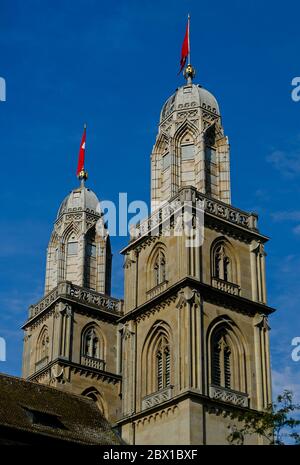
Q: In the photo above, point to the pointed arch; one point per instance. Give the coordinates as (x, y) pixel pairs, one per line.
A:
(53, 253)
(185, 127)
(93, 346)
(72, 228)
(224, 261)
(54, 239)
(69, 253)
(186, 140)
(93, 394)
(42, 346)
(227, 355)
(162, 142)
(90, 259)
(157, 359)
(157, 266)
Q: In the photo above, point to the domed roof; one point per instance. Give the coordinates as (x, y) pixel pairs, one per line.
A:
(190, 96)
(80, 199)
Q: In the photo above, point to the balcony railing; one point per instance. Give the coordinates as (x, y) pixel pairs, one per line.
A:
(228, 395)
(41, 363)
(156, 290)
(92, 362)
(157, 397)
(210, 206)
(226, 286)
(86, 296)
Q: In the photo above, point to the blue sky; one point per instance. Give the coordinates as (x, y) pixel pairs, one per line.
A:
(113, 64)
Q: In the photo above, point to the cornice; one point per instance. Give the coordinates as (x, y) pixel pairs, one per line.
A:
(77, 368)
(208, 293)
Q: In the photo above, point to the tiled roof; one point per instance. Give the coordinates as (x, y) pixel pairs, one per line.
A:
(46, 411)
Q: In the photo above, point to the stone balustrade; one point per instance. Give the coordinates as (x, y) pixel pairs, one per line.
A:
(92, 362)
(67, 289)
(209, 205)
(228, 395)
(226, 286)
(157, 398)
(156, 290)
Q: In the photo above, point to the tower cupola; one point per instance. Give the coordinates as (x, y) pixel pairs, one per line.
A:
(79, 248)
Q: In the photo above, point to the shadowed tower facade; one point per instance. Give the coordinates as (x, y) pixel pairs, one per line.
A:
(195, 343)
(71, 333)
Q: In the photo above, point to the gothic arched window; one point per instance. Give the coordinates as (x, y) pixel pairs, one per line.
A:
(222, 263)
(93, 394)
(221, 364)
(91, 343)
(159, 268)
(163, 365)
(157, 361)
(43, 345)
(71, 248)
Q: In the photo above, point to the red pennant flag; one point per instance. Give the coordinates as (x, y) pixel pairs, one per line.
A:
(185, 49)
(80, 165)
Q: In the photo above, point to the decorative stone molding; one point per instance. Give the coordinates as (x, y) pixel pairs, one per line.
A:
(59, 374)
(127, 333)
(67, 289)
(187, 295)
(216, 208)
(227, 395)
(157, 398)
(41, 320)
(94, 298)
(41, 363)
(161, 414)
(44, 303)
(225, 286)
(157, 308)
(156, 290)
(91, 362)
(261, 321)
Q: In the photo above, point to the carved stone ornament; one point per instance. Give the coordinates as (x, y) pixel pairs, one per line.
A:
(187, 296)
(126, 332)
(57, 375)
(261, 321)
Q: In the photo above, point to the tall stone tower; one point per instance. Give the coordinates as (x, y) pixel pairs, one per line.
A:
(195, 343)
(71, 333)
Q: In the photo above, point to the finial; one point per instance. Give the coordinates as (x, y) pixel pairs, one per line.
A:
(189, 73)
(82, 176)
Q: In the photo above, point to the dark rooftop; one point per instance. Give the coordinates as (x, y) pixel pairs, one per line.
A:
(37, 411)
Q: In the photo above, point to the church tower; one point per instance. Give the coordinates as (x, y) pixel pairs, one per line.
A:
(195, 335)
(71, 333)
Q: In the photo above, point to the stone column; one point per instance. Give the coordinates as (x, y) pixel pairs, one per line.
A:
(188, 303)
(254, 277)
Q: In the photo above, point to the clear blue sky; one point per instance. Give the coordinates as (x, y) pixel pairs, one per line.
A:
(113, 64)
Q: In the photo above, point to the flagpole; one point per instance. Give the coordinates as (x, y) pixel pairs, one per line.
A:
(84, 128)
(189, 56)
(81, 173)
(84, 173)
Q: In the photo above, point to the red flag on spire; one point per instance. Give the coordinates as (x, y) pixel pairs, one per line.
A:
(80, 165)
(185, 49)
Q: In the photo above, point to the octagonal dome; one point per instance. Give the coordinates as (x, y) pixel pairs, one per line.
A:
(189, 96)
(80, 199)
